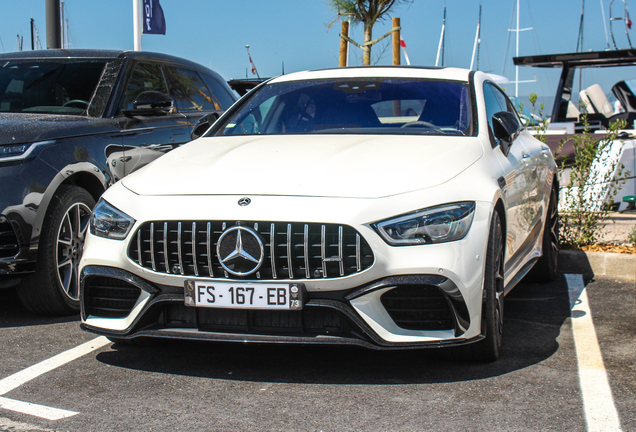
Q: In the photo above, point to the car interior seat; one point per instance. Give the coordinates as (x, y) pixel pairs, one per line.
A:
(345, 115)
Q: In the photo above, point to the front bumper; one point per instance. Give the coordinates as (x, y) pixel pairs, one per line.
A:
(121, 305)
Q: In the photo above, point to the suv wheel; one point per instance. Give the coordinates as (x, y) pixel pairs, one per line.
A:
(54, 288)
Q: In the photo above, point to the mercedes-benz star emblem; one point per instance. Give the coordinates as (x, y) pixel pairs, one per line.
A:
(244, 201)
(240, 251)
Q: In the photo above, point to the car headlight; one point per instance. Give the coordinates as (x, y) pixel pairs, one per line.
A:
(441, 224)
(109, 222)
(14, 152)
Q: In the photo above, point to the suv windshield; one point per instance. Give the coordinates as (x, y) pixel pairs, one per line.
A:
(354, 106)
(48, 86)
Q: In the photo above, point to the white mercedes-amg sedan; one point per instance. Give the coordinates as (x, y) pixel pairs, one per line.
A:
(386, 207)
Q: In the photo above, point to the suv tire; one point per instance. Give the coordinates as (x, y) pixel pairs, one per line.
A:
(54, 287)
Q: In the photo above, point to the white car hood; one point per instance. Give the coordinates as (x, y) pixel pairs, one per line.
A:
(353, 166)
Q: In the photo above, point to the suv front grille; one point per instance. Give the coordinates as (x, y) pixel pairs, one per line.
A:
(8, 240)
(418, 307)
(292, 250)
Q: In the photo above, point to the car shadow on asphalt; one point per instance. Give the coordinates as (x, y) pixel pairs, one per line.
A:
(14, 314)
(534, 316)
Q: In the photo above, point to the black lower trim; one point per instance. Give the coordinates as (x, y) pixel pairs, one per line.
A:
(196, 335)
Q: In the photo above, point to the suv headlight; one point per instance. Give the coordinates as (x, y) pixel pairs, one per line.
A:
(109, 222)
(14, 152)
(440, 224)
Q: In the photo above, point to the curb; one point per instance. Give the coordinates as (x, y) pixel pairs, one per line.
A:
(592, 264)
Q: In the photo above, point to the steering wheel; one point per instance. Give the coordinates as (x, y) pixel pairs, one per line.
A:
(420, 123)
(76, 103)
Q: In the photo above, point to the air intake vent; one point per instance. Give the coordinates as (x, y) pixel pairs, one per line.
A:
(110, 297)
(8, 239)
(418, 307)
(292, 250)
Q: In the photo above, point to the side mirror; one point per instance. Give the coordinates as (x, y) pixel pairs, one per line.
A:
(151, 103)
(203, 124)
(506, 129)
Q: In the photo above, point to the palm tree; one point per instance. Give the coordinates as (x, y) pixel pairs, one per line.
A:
(367, 12)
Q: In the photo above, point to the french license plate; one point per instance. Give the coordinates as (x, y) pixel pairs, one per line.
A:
(233, 295)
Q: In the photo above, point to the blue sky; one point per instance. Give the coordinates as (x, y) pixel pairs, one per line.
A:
(295, 32)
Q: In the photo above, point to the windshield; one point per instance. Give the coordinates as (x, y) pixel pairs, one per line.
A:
(49, 86)
(354, 106)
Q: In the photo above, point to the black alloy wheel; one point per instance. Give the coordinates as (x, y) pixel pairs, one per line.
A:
(492, 313)
(54, 288)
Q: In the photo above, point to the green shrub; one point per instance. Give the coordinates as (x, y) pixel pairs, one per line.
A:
(595, 179)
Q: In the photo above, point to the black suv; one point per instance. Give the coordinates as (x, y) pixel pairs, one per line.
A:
(73, 122)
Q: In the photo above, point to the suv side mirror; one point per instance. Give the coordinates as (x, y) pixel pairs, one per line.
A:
(203, 124)
(150, 103)
(506, 129)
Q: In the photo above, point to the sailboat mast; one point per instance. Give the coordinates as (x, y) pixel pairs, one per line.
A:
(440, 47)
(579, 42)
(605, 25)
(517, 67)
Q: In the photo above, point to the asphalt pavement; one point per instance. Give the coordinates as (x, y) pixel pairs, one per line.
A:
(540, 383)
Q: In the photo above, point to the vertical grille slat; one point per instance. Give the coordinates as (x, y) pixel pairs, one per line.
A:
(323, 250)
(152, 247)
(358, 252)
(179, 254)
(166, 258)
(208, 239)
(290, 264)
(295, 249)
(306, 250)
(272, 249)
(139, 249)
(340, 262)
(194, 249)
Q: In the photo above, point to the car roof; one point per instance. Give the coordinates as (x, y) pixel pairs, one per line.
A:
(98, 54)
(447, 73)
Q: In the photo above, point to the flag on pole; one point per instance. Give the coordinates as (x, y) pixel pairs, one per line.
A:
(153, 20)
(254, 71)
(406, 56)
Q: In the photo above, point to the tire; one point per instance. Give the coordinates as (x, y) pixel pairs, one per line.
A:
(545, 269)
(54, 288)
(492, 312)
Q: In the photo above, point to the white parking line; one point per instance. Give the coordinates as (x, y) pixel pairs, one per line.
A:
(16, 380)
(35, 409)
(598, 403)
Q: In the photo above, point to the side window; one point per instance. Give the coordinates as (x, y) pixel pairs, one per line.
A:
(493, 104)
(189, 91)
(145, 77)
(218, 94)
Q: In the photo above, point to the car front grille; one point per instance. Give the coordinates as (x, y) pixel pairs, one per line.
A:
(310, 320)
(418, 307)
(109, 297)
(8, 239)
(291, 250)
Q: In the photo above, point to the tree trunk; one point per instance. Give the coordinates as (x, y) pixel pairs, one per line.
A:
(366, 53)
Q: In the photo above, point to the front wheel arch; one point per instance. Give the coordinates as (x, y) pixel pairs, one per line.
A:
(90, 178)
